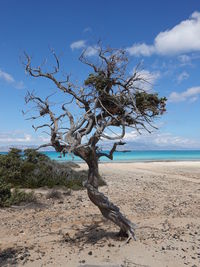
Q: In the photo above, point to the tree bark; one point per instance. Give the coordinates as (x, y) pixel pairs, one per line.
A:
(107, 208)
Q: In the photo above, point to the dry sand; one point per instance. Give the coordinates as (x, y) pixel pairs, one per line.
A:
(162, 198)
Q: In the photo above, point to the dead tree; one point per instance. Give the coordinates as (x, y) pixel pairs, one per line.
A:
(110, 97)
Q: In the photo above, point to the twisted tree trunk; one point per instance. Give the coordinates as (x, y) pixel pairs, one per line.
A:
(107, 208)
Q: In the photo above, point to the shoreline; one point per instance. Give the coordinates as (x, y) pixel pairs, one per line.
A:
(133, 161)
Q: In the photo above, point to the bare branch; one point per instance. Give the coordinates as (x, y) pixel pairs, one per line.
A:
(110, 155)
(44, 145)
(108, 98)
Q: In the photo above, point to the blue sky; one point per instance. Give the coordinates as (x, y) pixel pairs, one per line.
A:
(163, 35)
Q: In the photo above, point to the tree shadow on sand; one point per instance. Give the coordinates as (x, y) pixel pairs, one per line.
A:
(92, 234)
(11, 256)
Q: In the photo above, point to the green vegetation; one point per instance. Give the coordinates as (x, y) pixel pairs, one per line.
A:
(17, 196)
(32, 169)
(5, 193)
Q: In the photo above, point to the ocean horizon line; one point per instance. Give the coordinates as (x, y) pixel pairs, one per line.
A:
(107, 150)
(133, 156)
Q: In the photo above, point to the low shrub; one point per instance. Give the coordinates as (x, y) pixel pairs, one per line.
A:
(32, 169)
(15, 197)
(54, 194)
(5, 192)
(19, 196)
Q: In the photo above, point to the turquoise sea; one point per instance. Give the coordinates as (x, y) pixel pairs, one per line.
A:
(153, 155)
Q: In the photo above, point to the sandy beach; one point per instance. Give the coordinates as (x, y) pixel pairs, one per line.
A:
(161, 198)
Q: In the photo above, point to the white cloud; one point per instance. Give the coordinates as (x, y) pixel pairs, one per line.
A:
(149, 79)
(44, 139)
(141, 50)
(183, 38)
(8, 78)
(15, 137)
(20, 137)
(91, 51)
(184, 60)
(193, 99)
(131, 136)
(78, 44)
(159, 140)
(182, 76)
(190, 94)
(87, 29)
(155, 140)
